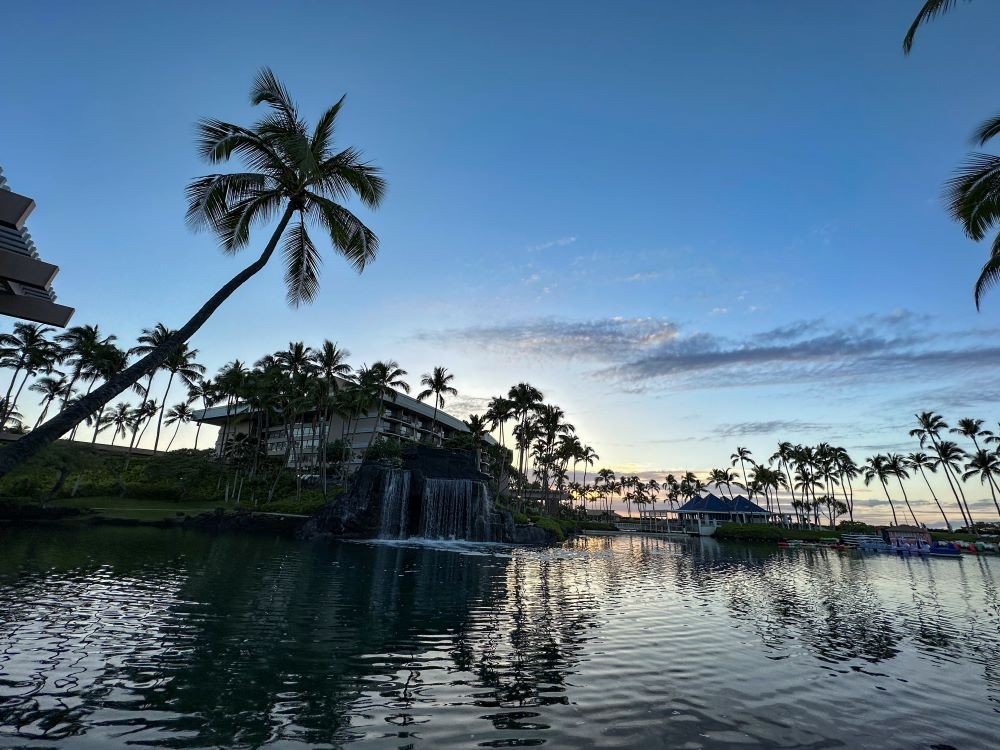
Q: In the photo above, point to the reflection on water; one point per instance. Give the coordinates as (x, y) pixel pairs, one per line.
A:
(148, 637)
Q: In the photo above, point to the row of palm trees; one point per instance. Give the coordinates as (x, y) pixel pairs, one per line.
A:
(546, 445)
(63, 368)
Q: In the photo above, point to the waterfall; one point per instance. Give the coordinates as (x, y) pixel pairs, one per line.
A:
(395, 502)
(456, 509)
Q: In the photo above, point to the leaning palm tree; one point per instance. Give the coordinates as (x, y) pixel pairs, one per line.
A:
(897, 466)
(437, 384)
(929, 428)
(122, 418)
(178, 414)
(742, 456)
(296, 176)
(181, 363)
(27, 351)
(205, 390)
(51, 388)
(875, 468)
(986, 465)
(924, 463)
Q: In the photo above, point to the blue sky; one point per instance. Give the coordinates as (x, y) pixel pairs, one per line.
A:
(691, 225)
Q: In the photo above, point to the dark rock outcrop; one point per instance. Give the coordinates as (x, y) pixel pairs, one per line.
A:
(434, 493)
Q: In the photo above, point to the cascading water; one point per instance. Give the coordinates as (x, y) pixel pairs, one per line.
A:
(456, 509)
(395, 502)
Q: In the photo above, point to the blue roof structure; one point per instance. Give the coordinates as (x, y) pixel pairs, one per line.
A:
(709, 503)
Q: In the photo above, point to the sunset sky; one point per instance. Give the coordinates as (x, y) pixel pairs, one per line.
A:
(692, 225)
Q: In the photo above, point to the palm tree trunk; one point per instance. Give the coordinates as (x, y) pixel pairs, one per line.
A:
(159, 421)
(934, 495)
(176, 430)
(891, 506)
(907, 501)
(434, 420)
(12, 406)
(45, 410)
(16, 453)
(994, 493)
(6, 398)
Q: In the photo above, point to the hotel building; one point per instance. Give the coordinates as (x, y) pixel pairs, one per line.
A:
(405, 420)
(25, 281)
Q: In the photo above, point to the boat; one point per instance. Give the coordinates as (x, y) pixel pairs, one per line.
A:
(939, 549)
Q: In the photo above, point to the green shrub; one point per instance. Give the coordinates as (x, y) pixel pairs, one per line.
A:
(552, 526)
(312, 501)
(521, 518)
(142, 491)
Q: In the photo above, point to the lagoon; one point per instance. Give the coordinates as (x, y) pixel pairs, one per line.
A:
(144, 637)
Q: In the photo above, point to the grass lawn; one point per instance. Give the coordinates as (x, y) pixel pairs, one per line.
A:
(138, 510)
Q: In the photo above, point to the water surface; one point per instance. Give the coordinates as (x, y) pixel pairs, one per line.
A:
(140, 637)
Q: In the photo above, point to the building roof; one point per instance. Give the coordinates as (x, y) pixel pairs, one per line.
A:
(709, 503)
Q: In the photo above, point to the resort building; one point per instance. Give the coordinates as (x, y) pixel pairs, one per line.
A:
(405, 420)
(703, 513)
(25, 281)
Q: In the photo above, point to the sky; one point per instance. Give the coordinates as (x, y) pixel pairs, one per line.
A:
(692, 225)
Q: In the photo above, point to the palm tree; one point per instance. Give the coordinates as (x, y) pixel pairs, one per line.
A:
(51, 388)
(741, 457)
(122, 417)
(180, 362)
(587, 456)
(79, 344)
(928, 430)
(12, 419)
(477, 425)
(205, 390)
(330, 361)
(437, 384)
(381, 380)
(896, 465)
(149, 341)
(525, 399)
(876, 468)
(27, 350)
(986, 465)
(951, 457)
(178, 414)
(108, 361)
(784, 456)
(923, 463)
(295, 174)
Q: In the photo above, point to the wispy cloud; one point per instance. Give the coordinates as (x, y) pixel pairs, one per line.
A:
(600, 341)
(648, 276)
(651, 352)
(561, 242)
(769, 427)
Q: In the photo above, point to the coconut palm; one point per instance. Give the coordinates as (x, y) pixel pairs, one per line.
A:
(438, 384)
(928, 431)
(79, 344)
(12, 421)
(876, 468)
(986, 465)
(181, 363)
(952, 458)
(924, 463)
(122, 418)
(51, 388)
(525, 399)
(205, 390)
(587, 456)
(477, 425)
(743, 456)
(296, 176)
(382, 380)
(178, 414)
(27, 351)
(108, 361)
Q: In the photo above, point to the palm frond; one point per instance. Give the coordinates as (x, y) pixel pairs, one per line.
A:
(345, 172)
(269, 90)
(210, 197)
(302, 262)
(931, 10)
(987, 130)
(973, 194)
(216, 141)
(234, 230)
(352, 239)
(323, 132)
(989, 276)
